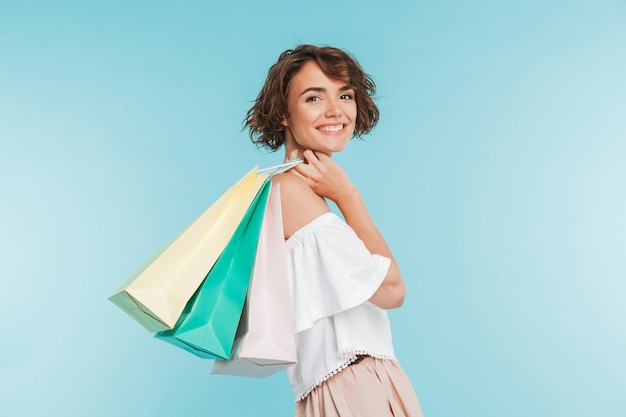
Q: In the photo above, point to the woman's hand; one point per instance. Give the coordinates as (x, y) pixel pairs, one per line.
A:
(325, 177)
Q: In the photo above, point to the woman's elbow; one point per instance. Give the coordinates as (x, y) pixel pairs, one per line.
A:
(389, 296)
(395, 287)
(398, 295)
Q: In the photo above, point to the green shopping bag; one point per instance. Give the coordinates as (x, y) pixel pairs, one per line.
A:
(209, 321)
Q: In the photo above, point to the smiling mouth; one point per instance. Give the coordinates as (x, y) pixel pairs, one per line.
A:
(332, 128)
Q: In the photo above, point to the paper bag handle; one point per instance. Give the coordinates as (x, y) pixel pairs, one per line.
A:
(278, 169)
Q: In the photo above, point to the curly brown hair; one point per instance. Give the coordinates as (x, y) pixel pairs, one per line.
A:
(265, 117)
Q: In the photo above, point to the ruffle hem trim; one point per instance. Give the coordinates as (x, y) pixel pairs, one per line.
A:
(354, 355)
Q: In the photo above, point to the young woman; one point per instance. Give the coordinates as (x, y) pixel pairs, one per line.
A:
(342, 274)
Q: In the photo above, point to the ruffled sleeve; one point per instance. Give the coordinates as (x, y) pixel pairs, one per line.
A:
(330, 270)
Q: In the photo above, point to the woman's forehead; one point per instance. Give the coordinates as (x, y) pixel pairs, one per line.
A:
(310, 76)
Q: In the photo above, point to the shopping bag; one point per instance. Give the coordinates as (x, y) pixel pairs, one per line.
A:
(157, 293)
(209, 322)
(265, 342)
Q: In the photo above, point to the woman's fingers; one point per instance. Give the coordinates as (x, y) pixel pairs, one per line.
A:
(313, 169)
(322, 157)
(310, 157)
(323, 175)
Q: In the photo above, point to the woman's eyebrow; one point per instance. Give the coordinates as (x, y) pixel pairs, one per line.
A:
(322, 89)
(315, 89)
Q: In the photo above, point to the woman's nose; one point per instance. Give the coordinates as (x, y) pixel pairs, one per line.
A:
(333, 109)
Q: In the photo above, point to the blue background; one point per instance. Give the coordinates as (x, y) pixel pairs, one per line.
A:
(497, 174)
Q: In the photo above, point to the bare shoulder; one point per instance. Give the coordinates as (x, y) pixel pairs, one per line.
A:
(300, 205)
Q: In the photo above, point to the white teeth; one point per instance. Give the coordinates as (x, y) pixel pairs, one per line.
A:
(336, 128)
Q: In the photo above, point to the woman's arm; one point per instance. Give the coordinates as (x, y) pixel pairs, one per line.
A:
(327, 179)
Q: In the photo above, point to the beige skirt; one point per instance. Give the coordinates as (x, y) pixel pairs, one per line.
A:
(371, 387)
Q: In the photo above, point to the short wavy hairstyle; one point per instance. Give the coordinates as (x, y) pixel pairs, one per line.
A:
(265, 117)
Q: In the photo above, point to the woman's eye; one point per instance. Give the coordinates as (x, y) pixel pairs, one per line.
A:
(346, 97)
(313, 98)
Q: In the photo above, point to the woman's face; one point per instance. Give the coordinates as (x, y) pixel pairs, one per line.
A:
(322, 112)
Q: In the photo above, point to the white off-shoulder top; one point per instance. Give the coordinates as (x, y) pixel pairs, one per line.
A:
(331, 276)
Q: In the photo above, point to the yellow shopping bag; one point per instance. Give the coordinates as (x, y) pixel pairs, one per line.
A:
(156, 294)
